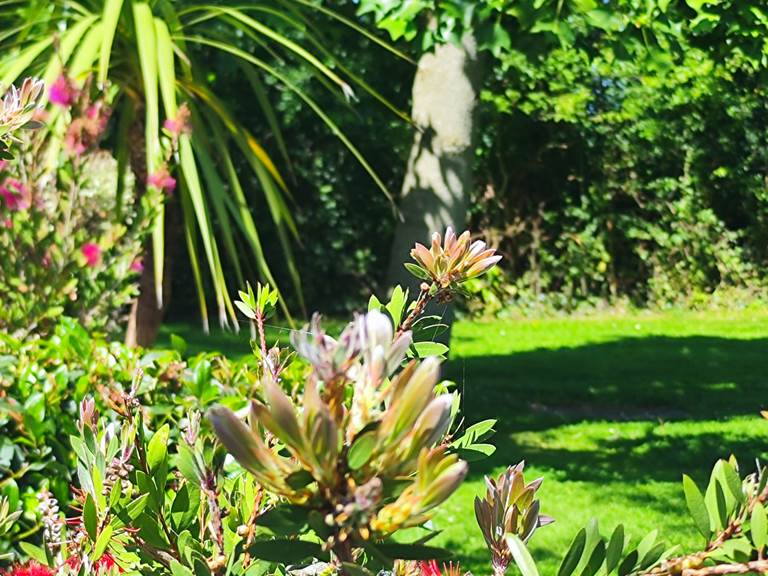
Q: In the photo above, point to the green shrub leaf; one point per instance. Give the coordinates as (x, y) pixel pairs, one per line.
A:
(573, 556)
(696, 506)
(522, 557)
(615, 548)
(759, 526)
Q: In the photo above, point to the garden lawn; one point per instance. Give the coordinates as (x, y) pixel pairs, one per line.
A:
(611, 410)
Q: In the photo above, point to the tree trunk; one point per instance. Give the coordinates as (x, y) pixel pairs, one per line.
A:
(438, 178)
(146, 315)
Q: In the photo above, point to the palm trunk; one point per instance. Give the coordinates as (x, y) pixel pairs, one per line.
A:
(146, 314)
(438, 179)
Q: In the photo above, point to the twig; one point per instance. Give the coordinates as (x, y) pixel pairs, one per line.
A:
(755, 566)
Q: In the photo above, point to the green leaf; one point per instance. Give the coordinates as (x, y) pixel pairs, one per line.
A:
(596, 559)
(374, 303)
(136, 507)
(522, 557)
(286, 551)
(696, 506)
(157, 450)
(573, 556)
(424, 349)
(90, 518)
(722, 506)
(361, 450)
(732, 481)
(652, 556)
(34, 552)
(178, 569)
(417, 271)
(615, 549)
(396, 305)
(101, 543)
(759, 526)
(628, 564)
(110, 17)
(147, 45)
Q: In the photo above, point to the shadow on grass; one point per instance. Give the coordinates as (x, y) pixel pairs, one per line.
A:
(653, 380)
(627, 379)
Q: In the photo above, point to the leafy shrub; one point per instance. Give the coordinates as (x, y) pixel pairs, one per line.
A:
(608, 180)
(70, 236)
(44, 380)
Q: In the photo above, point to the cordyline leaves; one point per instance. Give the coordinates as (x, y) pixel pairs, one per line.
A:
(144, 51)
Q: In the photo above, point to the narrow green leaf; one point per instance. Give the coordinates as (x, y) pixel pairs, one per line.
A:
(615, 549)
(147, 44)
(110, 18)
(696, 506)
(286, 551)
(759, 526)
(522, 557)
(157, 450)
(732, 481)
(101, 543)
(628, 564)
(90, 518)
(34, 552)
(573, 556)
(596, 559)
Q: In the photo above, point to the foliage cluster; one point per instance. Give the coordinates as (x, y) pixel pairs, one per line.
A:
(632, 184)
(43, 380)
(72, 229)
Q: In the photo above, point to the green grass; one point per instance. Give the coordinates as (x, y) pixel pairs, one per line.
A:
(611, 410)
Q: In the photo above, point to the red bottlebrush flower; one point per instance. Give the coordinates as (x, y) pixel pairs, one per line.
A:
(162, 180)
(62, 92)
(102, 566)
(429, 568)
(29, 569)
(92, 253)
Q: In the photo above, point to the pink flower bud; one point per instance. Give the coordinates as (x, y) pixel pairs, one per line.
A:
(92, 253)
(62, 92)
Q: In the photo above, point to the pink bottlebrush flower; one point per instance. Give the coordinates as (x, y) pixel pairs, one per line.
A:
(3, 164)
(62, 92)
(180, 124)
(137, 265)
(92, 253)
(85, 131)
(8, 223)
(162, 180)
(15, 195)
